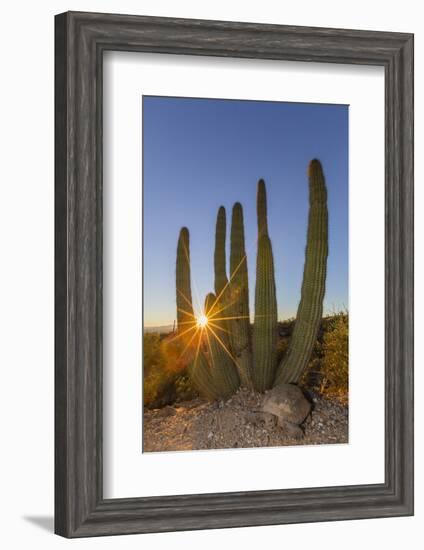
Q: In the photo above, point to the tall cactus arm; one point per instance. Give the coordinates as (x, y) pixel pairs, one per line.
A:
(265, 326)
(309, 313)
(239, 292)
(221, 280)
(222, 287)
(185, 314)
(261, 208)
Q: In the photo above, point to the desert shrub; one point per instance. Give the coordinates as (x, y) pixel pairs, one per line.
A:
(282, 346)
(334, 361)
(152, 352)
(155, 377)
(184, 389)
(164, 364)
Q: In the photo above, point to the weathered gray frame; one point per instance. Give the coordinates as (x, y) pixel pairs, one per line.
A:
(81, 39)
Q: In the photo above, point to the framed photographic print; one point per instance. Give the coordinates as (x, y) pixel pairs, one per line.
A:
(234, 274)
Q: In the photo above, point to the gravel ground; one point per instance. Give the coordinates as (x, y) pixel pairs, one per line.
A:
(237, 423)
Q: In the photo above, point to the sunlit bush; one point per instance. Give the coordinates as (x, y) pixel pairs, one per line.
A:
(164, 364)
(334, 362)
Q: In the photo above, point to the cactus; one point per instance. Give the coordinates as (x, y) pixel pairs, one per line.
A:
(261, 209)
(198, 368)
(309, 312)
(185, 315)
(239, 291)
(265, 325)
(201, 375)
(223, 358)
(223, 366)
(221, 280)
(222, 287)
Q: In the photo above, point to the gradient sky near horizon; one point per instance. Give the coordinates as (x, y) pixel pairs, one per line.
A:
(199, 154)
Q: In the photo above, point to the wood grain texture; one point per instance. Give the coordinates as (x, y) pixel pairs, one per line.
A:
(81, 39)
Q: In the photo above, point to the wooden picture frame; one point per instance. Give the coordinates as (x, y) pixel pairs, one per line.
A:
(81, 39)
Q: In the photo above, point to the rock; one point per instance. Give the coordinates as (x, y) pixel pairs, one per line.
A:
(288, 403)
(166, 411)
(291, 430)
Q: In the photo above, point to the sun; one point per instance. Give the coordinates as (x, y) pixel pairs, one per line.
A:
(202, 321)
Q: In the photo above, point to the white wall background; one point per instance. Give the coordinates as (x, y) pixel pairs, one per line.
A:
(26, 271)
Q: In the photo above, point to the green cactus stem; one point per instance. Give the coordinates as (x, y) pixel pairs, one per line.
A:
(201, 375)
(265, 326)
(222, 287)
(222, 364)
(185, 314)
(261, 209)
(309, 313)
(221, 280)
(239, 291)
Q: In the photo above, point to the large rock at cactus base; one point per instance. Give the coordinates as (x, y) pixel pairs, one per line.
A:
(289, 405)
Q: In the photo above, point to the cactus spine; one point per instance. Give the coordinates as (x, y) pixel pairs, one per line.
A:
(239, 290)
(265, 325)
(309, 312)
(222, 365)
(185, 315)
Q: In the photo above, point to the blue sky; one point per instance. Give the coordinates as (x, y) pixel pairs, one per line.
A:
(199, 154)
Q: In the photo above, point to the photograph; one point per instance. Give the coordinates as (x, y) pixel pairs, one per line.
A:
(208, 275)
(245, 273)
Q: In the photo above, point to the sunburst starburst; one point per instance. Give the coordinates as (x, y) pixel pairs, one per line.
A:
(202, 321)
